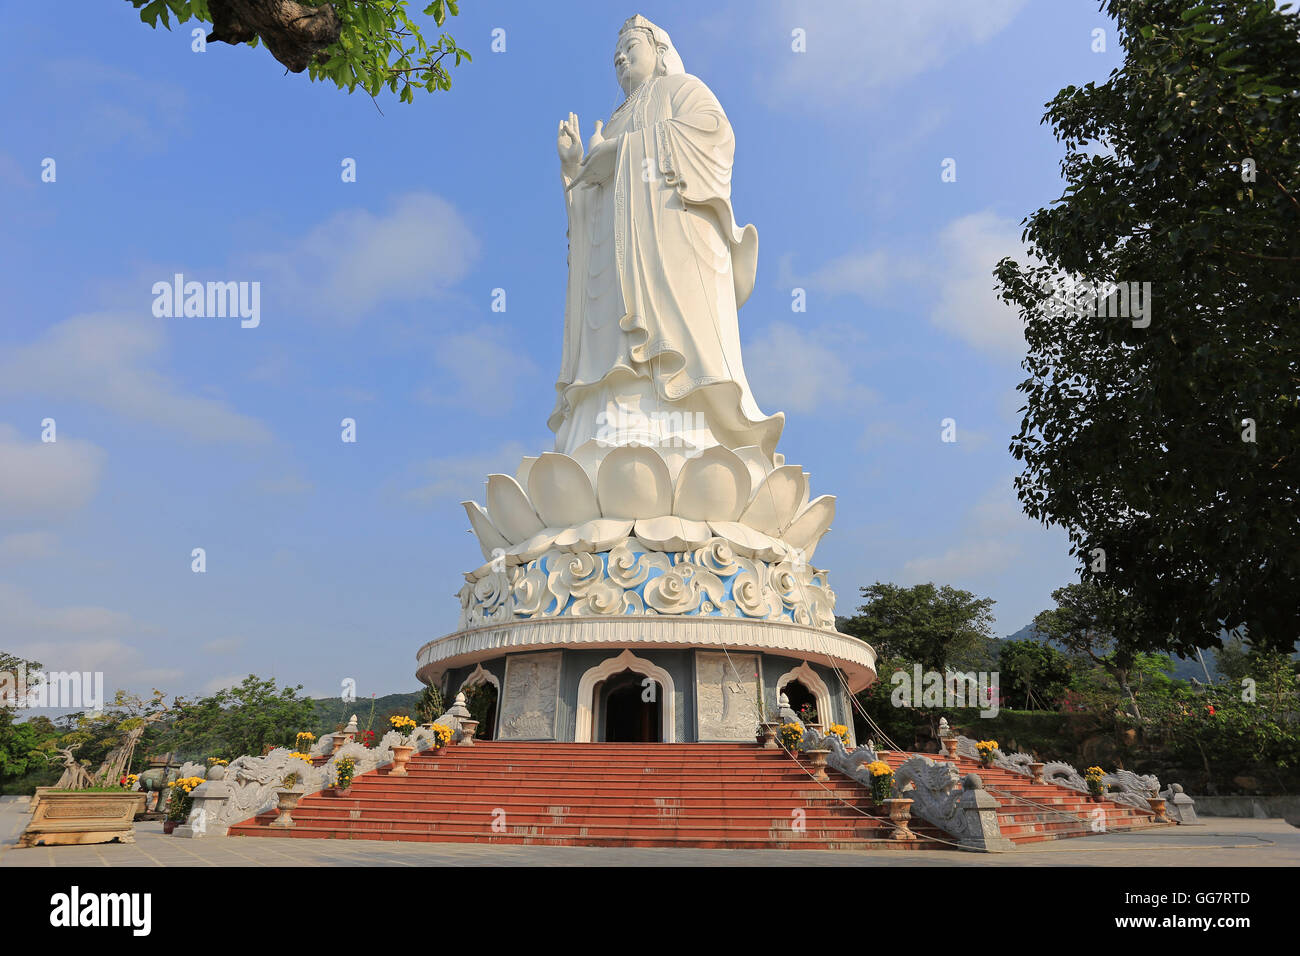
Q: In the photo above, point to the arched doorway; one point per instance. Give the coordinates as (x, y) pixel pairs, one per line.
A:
(631, 709)
(800, 697)
(593, 698)
(803, 686)
(482, 693)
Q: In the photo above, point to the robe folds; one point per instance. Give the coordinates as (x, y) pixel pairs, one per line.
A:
(657, 269)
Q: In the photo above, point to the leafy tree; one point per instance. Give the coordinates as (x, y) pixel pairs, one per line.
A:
(429, 707)
(370, 44)
(240, 720)
(1103, 625)
(1182, 170)
(1033, 672)
(925, 624)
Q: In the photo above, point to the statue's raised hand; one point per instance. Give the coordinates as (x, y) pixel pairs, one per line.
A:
(568, 143)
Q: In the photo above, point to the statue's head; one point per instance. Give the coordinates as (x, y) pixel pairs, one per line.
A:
(643, 51)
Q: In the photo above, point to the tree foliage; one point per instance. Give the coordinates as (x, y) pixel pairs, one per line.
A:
(240, 720)
(371, 44)
(1182, 170)
(934, 626)
(1033, 674)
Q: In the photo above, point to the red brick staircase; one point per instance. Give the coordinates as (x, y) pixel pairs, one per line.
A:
(684, 795)
(1032, 813)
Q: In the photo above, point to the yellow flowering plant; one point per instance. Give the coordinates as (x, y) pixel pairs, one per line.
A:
(218, 762)
(291, 779)
(986, 748)
(791, 737)
(180, 801)
(442, 735)
(882, 780)
(841, 731)
(1093, 777)
(345, 769)
(403, 725)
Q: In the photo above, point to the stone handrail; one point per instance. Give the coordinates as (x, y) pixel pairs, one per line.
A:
(960, 807)
(1122, 786)
(249, 785)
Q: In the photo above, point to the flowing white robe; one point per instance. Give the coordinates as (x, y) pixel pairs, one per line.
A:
(657, 269)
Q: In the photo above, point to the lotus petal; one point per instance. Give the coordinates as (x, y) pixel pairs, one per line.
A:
(756, 462)
(633, 483)
(589, 455)
(525, 467)
(511, 513)
(747, 542)
(533, 548)
(813, 522)
(671, 533)
(807, 494)
(676, 457)
(600, 534)
(714, 486)
(560, 492)
(773, 504)
(489, 538)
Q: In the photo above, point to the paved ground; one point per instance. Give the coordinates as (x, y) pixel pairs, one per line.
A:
(1223, 841)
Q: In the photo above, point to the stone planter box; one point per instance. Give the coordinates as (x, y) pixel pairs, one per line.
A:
(80, 817)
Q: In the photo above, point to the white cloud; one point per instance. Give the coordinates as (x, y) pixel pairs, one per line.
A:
(968, 307)
(24, 546)
(804, 369)
(107, 106)
(355, 262)
(224, 645)
(45, 479)
(972, 558)
(221, 683)
(855, 47)
(452, 479)
(955, 278)
(97, 631)
(290, 484)
(107, 359)
(480, 370)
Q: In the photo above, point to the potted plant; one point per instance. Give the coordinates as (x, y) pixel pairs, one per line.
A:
(442, 735)
(1093, 777)
(791, 737)
(289, 793)
(401, 751)
(180, 802)
(841, 731)
(987, 750)
(882, 781)
(345, 768)
(304, 741)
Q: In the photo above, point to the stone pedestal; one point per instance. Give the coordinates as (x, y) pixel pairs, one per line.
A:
(208, 799)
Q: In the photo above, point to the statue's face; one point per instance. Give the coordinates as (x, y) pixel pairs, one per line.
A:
(634, 59)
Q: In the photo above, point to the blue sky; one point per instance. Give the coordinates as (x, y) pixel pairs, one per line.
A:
(328, 560)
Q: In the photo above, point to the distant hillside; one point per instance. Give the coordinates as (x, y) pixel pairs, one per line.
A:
(331, 711)
(1183, 669)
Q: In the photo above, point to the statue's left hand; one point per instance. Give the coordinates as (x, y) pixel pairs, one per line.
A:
(598, 167)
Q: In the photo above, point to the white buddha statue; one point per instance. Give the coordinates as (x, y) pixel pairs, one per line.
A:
(657, 267)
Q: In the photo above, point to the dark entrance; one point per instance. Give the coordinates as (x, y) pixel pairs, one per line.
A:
(627, 716)
(800, 697)
(481, 699)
